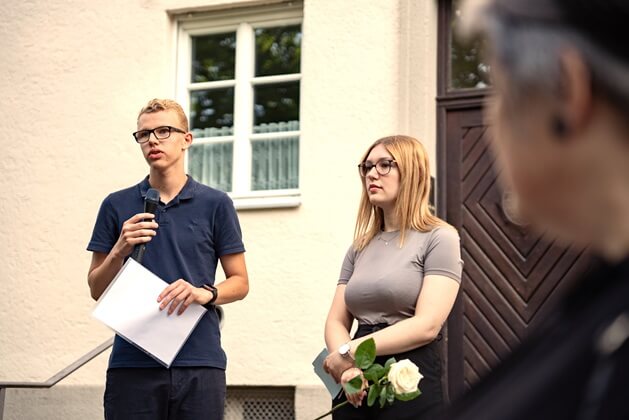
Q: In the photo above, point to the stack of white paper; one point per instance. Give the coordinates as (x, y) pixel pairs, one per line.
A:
(129, 306)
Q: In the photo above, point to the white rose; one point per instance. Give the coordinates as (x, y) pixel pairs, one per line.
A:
(404, 376)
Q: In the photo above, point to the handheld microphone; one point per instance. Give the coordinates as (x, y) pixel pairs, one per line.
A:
(151, 201)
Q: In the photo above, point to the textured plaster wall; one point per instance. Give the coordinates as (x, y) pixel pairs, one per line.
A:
(74, 75)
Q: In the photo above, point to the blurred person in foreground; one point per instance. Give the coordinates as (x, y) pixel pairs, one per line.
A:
(560, 115)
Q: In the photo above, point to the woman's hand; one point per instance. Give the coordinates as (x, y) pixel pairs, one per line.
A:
(357, 398)
(335, 365)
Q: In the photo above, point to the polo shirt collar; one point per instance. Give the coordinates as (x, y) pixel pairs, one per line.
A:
(186, 193)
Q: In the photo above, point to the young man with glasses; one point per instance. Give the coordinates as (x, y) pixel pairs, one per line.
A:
(193, 229)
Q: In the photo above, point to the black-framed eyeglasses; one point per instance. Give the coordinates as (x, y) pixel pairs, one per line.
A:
(383, 167)
(160, 133)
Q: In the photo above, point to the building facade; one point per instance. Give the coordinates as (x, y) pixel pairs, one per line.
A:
(283, 98)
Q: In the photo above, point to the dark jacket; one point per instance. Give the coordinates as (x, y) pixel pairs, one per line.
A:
(575, 366)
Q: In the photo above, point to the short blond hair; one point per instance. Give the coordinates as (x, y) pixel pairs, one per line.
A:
(411, 205)
(156, 105)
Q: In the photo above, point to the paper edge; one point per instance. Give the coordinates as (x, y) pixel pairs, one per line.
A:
(111, 283)
(325, 350)
(154, 357)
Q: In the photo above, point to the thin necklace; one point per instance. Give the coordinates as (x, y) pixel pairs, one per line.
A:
(386, 241)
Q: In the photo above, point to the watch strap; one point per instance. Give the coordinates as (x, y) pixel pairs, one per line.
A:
(214, 291)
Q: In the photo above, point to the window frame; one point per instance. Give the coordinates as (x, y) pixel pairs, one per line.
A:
(243, 22)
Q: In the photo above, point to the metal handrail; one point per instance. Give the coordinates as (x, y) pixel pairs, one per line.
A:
(62, 374)
(68, 370)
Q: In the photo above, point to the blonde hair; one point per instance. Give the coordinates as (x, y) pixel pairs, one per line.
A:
(411, 206)
(156, 105)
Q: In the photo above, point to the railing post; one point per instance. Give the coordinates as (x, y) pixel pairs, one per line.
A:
(2, 393)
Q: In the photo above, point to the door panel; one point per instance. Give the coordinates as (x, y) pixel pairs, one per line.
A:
(511, 274)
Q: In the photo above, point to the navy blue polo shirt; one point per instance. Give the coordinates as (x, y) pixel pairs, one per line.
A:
(196, 228)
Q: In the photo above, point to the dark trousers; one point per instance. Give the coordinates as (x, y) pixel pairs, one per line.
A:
(427, 406)
(196, 393)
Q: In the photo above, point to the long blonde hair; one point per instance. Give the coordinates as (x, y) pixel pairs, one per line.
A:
(411, 206)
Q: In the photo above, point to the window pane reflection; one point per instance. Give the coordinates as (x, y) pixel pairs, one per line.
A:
(213, 57)
(467, 66)
(278, 50)
(275, 103)
(212, 108)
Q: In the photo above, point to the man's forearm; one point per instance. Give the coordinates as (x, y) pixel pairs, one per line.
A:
(99, 278)
(232, 289)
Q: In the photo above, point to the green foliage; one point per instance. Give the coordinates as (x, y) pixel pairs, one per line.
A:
(379, 388)
(468, 68)
(365, 354)
(374, 392)
(276, 102)
(374, 372)
(278, 50)
(409, 396)
(383, 396)
(354, 385)
(387, 365)
(213, 57)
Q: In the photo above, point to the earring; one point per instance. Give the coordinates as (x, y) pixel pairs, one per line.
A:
(559, 126)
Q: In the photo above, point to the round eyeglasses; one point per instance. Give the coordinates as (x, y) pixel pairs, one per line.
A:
(383, 167)
(160, 133)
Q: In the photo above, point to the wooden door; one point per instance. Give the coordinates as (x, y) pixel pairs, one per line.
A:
(511, 275)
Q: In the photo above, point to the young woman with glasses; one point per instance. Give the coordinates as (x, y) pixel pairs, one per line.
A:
(399, 279)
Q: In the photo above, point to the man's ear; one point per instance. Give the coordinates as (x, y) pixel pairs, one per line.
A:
(188, 140)
(575, 101)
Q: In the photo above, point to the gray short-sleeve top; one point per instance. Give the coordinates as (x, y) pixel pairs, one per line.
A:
(384, 281)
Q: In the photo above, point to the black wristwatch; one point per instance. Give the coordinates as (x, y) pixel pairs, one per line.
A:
(214, 291)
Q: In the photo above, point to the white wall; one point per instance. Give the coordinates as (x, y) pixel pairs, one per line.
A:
(73, 80)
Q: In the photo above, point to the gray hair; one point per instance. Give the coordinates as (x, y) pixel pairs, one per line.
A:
(530, 51)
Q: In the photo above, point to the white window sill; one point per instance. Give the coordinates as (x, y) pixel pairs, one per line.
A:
(266, 199)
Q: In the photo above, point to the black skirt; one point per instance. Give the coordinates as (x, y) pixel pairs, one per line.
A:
(426, 406)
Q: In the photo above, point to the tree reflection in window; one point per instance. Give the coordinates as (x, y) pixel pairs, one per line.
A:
(278, 50)
(468, 70)
(213, 57)
(270, 66)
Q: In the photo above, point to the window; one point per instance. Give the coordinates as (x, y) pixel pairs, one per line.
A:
(239, 78)
(468, 69)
